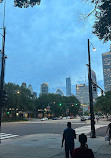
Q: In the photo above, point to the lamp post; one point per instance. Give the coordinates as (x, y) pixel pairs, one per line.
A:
(91, 94)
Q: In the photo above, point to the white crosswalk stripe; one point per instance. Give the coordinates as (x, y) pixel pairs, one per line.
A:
(7, 136)
(86, 129)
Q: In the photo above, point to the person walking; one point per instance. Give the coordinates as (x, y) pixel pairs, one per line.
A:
(69, 135)
(83, 151)
(109, 132)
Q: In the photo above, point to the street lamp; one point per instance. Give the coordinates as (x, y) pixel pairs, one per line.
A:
(90, 93)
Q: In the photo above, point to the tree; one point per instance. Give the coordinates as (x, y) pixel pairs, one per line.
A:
(59, 104)
(103, 103)
(19, 98)
(102, 24)
(25, 3)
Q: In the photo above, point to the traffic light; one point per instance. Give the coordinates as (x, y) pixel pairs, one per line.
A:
(60, 104)
(75, 103)
(3, 98)
(7, 112)
(94, 87)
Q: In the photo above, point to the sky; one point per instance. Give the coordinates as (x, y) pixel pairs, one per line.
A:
(48, 43)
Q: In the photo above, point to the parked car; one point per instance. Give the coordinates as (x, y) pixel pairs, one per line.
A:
(68, 117)
(64, 118)
(83, 118)
(72, 117)
(44, 119)
(55, 118)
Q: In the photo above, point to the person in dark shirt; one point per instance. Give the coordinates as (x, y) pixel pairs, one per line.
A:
(69, 135)
(109, 129)
(83, 151)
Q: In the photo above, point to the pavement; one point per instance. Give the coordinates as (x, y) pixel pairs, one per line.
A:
(48, 146)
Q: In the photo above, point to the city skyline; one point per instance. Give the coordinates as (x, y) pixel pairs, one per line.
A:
(48, 43)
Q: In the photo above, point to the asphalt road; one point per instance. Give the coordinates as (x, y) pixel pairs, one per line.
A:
(50, 126)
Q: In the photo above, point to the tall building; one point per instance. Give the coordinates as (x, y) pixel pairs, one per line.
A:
(59, 91)
(82, 93)
(24, 85)
(106, 59)
(30, 88)
(44, 88)
(68, 87)
(95, 81)
(35, 94)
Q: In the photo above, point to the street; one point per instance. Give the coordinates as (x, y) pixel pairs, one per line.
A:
(36, 126)
(36, 138)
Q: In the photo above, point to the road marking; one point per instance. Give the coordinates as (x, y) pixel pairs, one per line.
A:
(7, 136)
(86, 129)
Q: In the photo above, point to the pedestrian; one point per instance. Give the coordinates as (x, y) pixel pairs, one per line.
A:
(97, 118)
(83, 151)
(69, 135)
(109, 132)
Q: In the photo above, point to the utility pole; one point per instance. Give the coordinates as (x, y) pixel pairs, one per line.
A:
(2, 75)
(91, 95)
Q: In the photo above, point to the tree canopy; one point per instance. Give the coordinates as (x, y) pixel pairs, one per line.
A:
(102, 24)
(21, 98)
(25, 3)
(103, 103)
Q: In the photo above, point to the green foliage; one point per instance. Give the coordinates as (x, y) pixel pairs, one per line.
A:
(103, 103)
(58, 104)
(25, 3)
(19, 97)
(102, 25)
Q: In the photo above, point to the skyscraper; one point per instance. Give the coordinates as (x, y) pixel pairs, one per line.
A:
(68, 86)
(44, 88)
(24, 85)
(106, 59)
(95, 81)
(30, 88)
(82, 93)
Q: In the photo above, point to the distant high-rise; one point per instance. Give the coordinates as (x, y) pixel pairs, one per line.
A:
(106, 59)
(24, 85)
(82, 93)
(35, 94)
(44, 89)
(68, 87)
(30, 88)
(59, 91)
(95, 81)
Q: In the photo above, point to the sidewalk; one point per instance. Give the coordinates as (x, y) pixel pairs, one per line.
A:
(48, 146)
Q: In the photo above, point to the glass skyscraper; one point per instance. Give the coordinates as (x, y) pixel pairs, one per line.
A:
(44, 88)
(82, 93)
(68, 87)
(106, 59)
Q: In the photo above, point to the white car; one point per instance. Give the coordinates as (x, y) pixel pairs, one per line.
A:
(64, 118)
(44, 119)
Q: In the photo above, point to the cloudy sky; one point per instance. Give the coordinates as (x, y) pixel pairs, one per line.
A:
(48, 43)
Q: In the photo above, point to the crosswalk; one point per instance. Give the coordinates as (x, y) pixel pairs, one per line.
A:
(4, 136)
(86, 129)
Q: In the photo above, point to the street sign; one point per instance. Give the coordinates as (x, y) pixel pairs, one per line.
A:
(48, 108)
